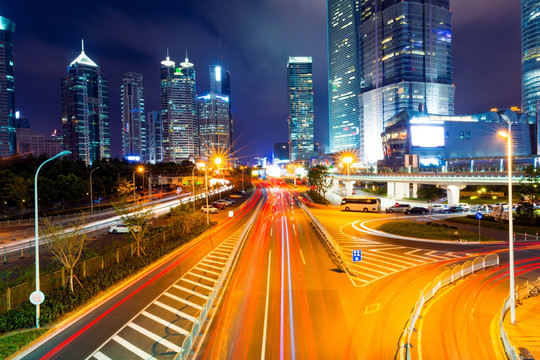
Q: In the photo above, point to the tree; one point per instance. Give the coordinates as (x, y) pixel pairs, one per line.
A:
(530, 182)
(430, 192)
(318, 177)
(136, 216)
(66, 244)
(19, 189)
(125, 188)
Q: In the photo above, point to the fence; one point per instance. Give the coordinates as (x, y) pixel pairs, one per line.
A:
(446, 278)
(189, 340)
(521, 293)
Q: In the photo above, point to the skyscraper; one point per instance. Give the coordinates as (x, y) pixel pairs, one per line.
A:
(8, 143)
(405, 50)
(179, 111)
(530, 56)
(300, 86)
(134, 129)
(220, 83)
(214, 122)
(155, 137)
(85, 111)
(344, 76)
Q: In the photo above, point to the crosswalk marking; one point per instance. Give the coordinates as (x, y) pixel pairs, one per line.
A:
(140, 353)
(156, 338)
(206, 271)
(184, 301)
(101, 356)
(211, 266)
(202, 277)
(198, 284)
(205, 297)
(166, 323)
(175, 311)
(217, 257)
(216, 262)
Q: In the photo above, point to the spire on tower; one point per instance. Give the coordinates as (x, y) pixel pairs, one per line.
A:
(167, 61)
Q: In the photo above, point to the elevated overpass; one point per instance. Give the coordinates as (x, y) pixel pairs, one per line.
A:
(403, 185)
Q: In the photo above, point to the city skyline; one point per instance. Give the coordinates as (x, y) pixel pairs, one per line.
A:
(259, 80)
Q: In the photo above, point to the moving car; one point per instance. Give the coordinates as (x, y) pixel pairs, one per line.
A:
(398, 208)
(416, 210)
(209, 209)
(121, 228)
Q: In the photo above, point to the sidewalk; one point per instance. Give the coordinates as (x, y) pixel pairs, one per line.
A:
(526, 332)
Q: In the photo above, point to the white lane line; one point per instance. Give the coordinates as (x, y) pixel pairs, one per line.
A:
(391, 257)
(216, 262)
(367, 265)
(271, 231)
(432, 254)
(217, 257)
(175, 311)
(198, 284)
(184, 301)
(302, 254)
(369, 275)
(263, 351)
(222, 253)
(101, 356)
(401, 256)
(166, 323)
(202, 277)
(226, 246)
(206, 271)
(211, 266)
(371, 257)
(191, 292)
(155, 337)
(133, 348)
(294, 228)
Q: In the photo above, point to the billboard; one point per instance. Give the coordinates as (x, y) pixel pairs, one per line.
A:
(427, 136)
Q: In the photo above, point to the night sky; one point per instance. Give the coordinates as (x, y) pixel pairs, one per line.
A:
(254, 38)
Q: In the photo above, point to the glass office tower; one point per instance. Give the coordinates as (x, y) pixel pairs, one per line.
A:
(530, 56)
(214, 122)
(134, 129)
(85, 111)
(8, 143)
(405, 49)
(345, 128)
(155, 137)
(179, 111)
(220, 83)
(301, 131)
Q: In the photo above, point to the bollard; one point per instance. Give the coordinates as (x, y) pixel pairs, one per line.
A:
(525, 236)
(537, 236)
(514, 237)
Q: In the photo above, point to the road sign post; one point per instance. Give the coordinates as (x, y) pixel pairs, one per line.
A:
(479, 217)
(356, 255)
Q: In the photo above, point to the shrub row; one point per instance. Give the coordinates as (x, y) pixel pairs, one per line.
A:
(441, 225)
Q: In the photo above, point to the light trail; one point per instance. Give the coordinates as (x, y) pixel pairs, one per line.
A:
(263, 351)
(290, 293)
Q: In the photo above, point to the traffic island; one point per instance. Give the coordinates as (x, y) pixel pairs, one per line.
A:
(430, 230)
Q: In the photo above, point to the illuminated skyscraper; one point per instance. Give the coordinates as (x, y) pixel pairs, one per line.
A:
(301, 131)
(85, 111)
(155, 137)
(214, 124)
(8, 143)
(179, 111)
(345, 128)
(405, 49)
(134, 129)
(220, 83)
(530, 56)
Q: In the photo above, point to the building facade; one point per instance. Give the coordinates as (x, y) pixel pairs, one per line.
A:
(405, 50)
(220, 83)
(134, 128)
(179, 111)
(8, 142)
(300, 88)
(345, 127)
(530, 56)
(85, 111)
(155, 137)
(214, 125)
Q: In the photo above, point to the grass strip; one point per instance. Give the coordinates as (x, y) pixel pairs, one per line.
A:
(428, 231)
(11, 343)
(486, 223)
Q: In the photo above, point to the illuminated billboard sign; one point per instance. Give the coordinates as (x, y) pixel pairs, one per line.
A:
(427, 136)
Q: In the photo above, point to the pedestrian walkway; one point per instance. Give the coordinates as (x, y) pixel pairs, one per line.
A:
(526, 332)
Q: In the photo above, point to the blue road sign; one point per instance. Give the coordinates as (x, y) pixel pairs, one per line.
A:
(356, 255)
(479, 215)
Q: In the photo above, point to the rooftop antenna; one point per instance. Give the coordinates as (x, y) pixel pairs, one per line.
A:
(82, 45)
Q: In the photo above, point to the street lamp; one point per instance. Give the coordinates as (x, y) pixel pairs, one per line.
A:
(206, 186)
(91, 197)
(38, 293)
(139, 169)
(218, 162)
(242, 167)
(508, 135)
(348, 160)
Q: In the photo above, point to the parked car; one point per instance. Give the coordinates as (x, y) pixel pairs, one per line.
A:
(438, 208)
(209, 209)
(416, 210)
(503, 204)
(455, 208)
(218, 205)
(235, 195)
(121, 228)
(224, 202)
(465, 207)
(398, 208)
(229, 200)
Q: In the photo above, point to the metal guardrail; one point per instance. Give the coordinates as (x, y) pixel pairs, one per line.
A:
(430, 290)
(334, 246)
(187, 345)
(521, 293)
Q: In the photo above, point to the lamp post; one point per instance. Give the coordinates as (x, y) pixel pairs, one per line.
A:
(242, 167)
(348, 160)
(218, 162)
(36, 220)
(139, 169)
(91, 197)
(508, 135)
(206, 185)
(193, 186)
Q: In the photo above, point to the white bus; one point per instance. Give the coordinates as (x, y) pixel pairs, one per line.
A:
(360, 203)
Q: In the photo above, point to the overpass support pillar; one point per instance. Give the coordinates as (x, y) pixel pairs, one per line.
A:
(349, 188)
(452, 192)
(335, 185)
(397, 190)
(414, 190)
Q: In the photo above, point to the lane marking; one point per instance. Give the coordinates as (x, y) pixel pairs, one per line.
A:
(202, 277)
(101, 356)
(302, 254)
(263, 351)
(155, 337)
(133, 348)
(197, 284)
(189, 291)
(175, 311)
(184, 301)
(372, 308)
(167, 324)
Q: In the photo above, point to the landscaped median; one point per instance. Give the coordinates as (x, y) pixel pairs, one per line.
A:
(429, 230)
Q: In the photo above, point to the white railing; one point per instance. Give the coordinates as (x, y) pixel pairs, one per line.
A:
(189, 340)
(523, 292)
(446, 278)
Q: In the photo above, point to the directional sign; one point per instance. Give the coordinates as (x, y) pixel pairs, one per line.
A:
(356, 255)
(479, 215)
